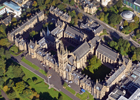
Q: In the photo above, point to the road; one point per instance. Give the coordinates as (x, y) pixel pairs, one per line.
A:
(55, 80)
(111, 30)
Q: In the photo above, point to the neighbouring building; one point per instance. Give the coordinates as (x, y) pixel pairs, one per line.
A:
(134, 4)
(58, 13)
(13, 8)
(29, 23)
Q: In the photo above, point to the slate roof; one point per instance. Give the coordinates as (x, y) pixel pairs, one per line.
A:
(69, 67)
(99, 29)
(81, 50)
(108, 52)
(116, 74)
(71, 59)
(8, 19)
(42, 42)
(116, 93)
(59, 22)
(50, 58)
(94, 41)
(31, 45)
(74, 33)
(41, 51)
(56, 31)
(21, 27)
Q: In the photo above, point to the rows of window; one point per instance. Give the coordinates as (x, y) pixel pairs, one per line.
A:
(135, 7)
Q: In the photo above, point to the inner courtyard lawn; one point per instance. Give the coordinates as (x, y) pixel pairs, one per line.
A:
(42, 88)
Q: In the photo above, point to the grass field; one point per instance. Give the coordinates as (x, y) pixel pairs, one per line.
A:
(42, 88)
(29, 63)
(85, 96)
(70, 90)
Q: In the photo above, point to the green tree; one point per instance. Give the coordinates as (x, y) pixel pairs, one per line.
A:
(1, 72)
(62, 7)
(20, 86)
(13, 73)
(72, 13)
(125, 23)
(72, 2)
(47, 2)
(27, 93)
(119, 3)
(34, 4)
(1, 81)
(134, 57)
(53, 3)
(7, 54)
(136, 19)
(2, 30)
(106, 18)
(101, 15)
(33, 33)
(105, 9)
(2, 52)
(75, 21)
(80, 15)
(66, 1)
(11, 95)
(10, 83)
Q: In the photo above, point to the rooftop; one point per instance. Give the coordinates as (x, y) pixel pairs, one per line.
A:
(82, 50)
(12, 5)
(108, 52)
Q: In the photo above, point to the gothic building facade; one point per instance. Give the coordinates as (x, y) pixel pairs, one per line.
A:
(69, 64)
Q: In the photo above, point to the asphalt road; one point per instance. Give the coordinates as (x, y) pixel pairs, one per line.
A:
(55, 80)
(113, 32)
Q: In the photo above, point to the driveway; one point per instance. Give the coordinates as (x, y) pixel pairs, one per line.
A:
(4, 95)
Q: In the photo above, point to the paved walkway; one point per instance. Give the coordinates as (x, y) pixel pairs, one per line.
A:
(55, 80)
(4, 95)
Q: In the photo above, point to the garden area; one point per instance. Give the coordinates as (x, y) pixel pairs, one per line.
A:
(33, 66)
(84, 96)
(112, 17)
(14, 50)
(95, 69)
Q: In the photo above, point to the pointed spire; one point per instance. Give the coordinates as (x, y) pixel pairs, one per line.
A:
(97, 81)
(61, 48)
(35, 43)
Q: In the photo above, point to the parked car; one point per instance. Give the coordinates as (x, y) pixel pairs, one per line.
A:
(49, 67)
(44, 65)
(69, 85)
(66, 80)
(70, 81)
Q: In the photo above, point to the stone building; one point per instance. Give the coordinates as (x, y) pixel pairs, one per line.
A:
(58, 13)
(106, 54)
(70, 64)
(29, 23)
(90, 25)
(74, 35)
(21, 43)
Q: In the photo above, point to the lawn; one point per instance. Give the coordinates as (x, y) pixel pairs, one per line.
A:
(70, 90)
(43, 72)
(84, 96)
(99, 73)
(42, 88)
(29, 63)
